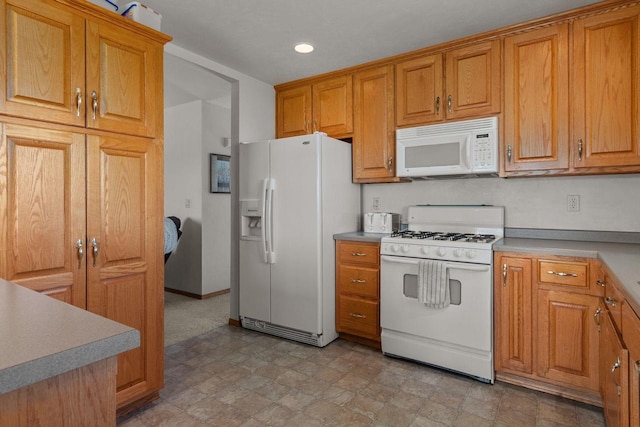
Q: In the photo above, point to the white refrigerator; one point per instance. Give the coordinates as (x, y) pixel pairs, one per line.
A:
(295, 194)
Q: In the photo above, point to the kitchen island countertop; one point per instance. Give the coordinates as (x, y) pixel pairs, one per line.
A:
(42, 337)
(623, 259)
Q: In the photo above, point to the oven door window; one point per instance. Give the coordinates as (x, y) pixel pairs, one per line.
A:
(410, 288)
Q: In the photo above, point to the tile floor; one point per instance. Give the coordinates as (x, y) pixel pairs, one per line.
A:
(235, 377)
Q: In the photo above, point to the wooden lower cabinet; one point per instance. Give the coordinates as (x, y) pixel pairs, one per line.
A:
(545, 337)
(358, 291)
(513, 315)
(631, 332)
(614, 372)
(568, 338)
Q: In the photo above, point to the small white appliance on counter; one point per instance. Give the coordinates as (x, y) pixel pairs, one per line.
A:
(380, 222)
(464, 148)
(455, 242)
(295, 194)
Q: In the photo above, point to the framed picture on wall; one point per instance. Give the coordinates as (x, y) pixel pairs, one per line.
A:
(220, 173)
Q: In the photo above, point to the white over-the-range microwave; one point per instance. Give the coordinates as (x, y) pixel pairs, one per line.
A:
(464, 148)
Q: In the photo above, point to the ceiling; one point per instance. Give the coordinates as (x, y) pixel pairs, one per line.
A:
(256, 37)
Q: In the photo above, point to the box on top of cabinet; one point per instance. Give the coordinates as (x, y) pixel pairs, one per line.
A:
(107, 4)
(143, 14)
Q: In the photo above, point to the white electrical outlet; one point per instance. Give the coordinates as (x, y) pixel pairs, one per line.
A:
(187, 203)
(376, 204)
(573, 203)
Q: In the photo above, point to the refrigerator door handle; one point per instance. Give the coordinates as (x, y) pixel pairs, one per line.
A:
(271, 188)
(263, 231)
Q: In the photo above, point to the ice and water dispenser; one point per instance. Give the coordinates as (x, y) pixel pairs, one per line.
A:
(250, 219)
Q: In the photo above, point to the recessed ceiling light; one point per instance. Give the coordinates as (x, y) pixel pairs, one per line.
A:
(303, 48)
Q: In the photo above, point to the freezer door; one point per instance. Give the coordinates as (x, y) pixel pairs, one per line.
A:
(255, 282)
(296, 274)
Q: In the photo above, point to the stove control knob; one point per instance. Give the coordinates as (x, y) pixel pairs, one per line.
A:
(405, 248)
(393, 248)
(441, 251)
(425, 250)
(458, 252)
(471, 254)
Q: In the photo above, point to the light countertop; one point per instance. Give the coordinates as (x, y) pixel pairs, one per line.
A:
(41, 337)
(360, 236)
(623, 259)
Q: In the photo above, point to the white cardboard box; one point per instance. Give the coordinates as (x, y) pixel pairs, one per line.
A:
(107, 4)
(143, 14)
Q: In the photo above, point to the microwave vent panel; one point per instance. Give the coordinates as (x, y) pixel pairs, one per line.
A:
(447, 128)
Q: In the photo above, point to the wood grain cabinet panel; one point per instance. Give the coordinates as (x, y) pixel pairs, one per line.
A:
(374, 125)
(42, 211)
(568, 338)
(605, 92)
(358, 291)
(536, 100)
(513, 314)
(420, 90)
(324, 106)
(614, 373)
(631, 330)
(89, 73)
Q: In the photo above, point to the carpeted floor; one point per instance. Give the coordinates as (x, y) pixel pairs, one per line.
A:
(186, 317)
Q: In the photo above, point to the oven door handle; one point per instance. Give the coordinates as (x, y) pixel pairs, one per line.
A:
(449, 266)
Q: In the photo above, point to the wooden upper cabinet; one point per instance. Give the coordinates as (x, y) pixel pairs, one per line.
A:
(333, 106)
(605, 92)
(536, 100)
(324, 106)
(124, 80)
(473, 80)
(42, 211)
(419, 90)
(374, 131)
(293, 112)
(42, 62)
(461, 83)
(81, 60)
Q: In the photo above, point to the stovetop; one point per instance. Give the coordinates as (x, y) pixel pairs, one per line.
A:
(445, 236)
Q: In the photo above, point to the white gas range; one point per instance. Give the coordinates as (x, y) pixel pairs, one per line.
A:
(459, 240)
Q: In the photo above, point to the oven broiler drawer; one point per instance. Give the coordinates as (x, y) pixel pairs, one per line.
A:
(358, 280)
(358, 317)
(359, 253)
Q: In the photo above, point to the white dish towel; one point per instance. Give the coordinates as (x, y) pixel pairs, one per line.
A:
(433, 284)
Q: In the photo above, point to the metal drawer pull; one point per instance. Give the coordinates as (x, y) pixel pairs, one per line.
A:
(358, 281)
(637, 366)
(80, 247)
(610, 301)
(78, 101)
(613, 369)
(359, 316)
(561, 274)
(504, 275)
(600, 282)
(596, 317)
(358, 254)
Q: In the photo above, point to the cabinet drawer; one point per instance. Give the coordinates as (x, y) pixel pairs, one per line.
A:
(357, 316)
(359, 253)
(574, 274)
(358, 280)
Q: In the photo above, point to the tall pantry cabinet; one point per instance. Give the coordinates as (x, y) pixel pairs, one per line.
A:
(81, 178)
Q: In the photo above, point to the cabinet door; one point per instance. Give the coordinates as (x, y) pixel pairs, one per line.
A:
(419, 91)
(606, 96)
(42, 211)
(124, 272)
(333, 106)
(41, 62)
(568, 338)
(374, 130)
(536, 106)
(293, 112)
(513, 315)
(124, 80)
(614, 386)
(631, 330)
(473, 76)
